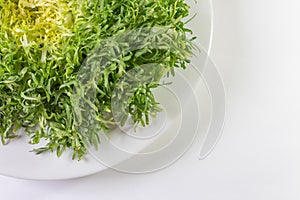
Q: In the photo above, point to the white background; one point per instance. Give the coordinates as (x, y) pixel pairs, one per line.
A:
(257, 49)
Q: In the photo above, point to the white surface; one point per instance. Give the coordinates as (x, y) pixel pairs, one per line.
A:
(256, 47)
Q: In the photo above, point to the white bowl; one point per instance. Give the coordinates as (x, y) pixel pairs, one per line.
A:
(17, 160)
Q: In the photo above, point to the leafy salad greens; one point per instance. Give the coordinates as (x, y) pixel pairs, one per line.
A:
(45, 43)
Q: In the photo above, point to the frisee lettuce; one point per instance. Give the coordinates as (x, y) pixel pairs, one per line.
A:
(43, 45)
